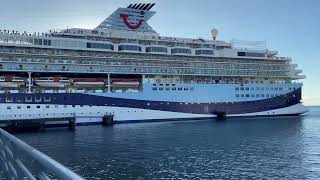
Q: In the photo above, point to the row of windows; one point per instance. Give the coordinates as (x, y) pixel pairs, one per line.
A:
(46, 106)
(129, 48)
(251, 54)
(204, 52)
(164, 84)
(157, 49)
(29, 99)
(172, 89)
(45, 42)
(264, 88)
(180, 51)
(100, 46)
(258, 95)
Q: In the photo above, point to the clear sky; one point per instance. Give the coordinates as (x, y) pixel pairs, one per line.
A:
(290, 26)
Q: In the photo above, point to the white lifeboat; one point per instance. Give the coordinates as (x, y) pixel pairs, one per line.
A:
(89, 82)
(10, 81)
(56, 81)
(125, 82)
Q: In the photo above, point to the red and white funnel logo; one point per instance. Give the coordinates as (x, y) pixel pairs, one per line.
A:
(125, 18)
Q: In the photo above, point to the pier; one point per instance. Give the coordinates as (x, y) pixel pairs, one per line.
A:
(21, 161)
(39, 121)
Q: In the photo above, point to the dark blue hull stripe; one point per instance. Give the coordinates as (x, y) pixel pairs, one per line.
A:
(287, 100)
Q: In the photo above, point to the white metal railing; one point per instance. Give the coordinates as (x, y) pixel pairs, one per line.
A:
(21, 161)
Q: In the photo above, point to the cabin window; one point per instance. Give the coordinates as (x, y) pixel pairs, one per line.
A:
(37, 99)
(28, 99)
(38, 107)
(237, 89)
(154, 89)
(19, 100)
(237, 95)
(47, 99)
(28, 107)
(9, 99)
(8, 107)
(18, 107)
(47, 106)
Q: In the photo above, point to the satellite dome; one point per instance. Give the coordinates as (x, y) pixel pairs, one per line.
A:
(214, 33)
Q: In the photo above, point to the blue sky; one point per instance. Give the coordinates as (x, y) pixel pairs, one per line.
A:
(290, 26)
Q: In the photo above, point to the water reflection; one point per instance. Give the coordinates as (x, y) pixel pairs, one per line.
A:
(263, 148)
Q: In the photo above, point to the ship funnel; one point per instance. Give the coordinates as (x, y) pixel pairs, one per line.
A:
(214, 33)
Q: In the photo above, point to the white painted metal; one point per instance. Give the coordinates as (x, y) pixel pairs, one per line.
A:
(13, 153)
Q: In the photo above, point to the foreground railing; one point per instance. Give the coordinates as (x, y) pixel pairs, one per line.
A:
(21, 161)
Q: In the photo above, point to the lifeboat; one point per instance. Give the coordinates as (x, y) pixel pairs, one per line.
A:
(56, 81)
(10, 81)
(89, 82)
(125, 82)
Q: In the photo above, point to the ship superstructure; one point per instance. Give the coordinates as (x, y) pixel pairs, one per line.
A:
(126, 68)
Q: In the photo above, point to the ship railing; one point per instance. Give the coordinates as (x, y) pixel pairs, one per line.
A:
(21, 161)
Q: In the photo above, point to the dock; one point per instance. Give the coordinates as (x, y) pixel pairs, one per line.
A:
(14, 123)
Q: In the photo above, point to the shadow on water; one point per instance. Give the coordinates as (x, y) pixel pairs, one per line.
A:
(259, 148)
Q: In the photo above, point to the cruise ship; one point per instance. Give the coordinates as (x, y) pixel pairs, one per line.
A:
(125, 68)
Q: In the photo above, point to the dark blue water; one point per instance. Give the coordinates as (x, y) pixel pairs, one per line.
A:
(257, 148)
